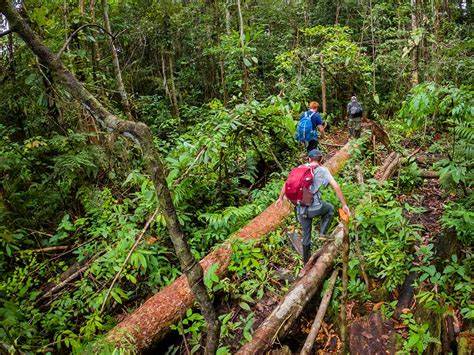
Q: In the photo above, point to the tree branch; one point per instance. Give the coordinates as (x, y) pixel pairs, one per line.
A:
(61, 51)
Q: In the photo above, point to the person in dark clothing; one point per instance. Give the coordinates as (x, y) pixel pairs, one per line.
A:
(321, 177)
(354, 115)
(311, 139)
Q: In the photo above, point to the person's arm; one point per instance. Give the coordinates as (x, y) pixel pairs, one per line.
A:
(319, 124)
(340, 195)
(279, 202)
(321, 130)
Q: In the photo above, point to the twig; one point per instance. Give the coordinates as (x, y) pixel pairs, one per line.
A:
(188, 170)
(359, 254)
(61, 51)
(184, 336)
(332, 144)
(415, 152)
(140, 236)
(47, 249)
(308, 345)
(345, 269)
(62, 284)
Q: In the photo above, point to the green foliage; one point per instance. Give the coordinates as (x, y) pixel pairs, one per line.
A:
(222, 116)
(419, 336)
(386, 234)
(442, 290)
(446, 108)
(460, 218)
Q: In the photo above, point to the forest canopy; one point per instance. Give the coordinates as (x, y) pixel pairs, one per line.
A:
(137, 136)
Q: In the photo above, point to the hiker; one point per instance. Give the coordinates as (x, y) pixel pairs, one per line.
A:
(308, 125)
(354, 114)
(302, 188)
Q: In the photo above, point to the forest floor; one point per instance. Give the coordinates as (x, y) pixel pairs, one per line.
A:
(428, 197)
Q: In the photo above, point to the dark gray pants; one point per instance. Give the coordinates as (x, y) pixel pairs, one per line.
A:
(326, 211)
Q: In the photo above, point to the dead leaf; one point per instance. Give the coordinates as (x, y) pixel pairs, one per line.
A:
(377, 306)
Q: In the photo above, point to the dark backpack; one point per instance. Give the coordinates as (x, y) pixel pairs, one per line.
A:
(304, 130)
(355, 109)
(297, 185)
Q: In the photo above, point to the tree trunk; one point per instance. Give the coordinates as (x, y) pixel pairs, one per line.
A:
(174, 96)
(242, 45)
(116, 64)
(95, 46)
(141, 134)
(345, 279)
(151, 321)
(414, 26)
(323, 84)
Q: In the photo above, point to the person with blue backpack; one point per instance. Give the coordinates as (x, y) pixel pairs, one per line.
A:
(309, 124)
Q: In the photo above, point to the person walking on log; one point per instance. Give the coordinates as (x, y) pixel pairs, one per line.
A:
(354, 114)
(302, 188)
(309, 124)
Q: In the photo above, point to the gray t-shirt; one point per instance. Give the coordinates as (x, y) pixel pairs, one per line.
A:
(322, 177)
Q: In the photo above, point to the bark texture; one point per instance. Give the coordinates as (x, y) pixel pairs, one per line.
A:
(388, 168)
(151, 321)
(371, 336)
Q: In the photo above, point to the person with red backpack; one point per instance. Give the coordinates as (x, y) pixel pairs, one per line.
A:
(302, 188)
(309, 124)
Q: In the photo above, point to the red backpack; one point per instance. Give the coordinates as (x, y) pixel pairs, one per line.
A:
(297, 185)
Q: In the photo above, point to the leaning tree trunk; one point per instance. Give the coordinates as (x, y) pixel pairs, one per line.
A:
(151, 321)
(141, 134)
(116, 64)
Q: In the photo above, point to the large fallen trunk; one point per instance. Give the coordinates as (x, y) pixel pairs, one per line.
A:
(151, 321)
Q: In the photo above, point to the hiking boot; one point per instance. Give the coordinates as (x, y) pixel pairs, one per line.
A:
(306, 253)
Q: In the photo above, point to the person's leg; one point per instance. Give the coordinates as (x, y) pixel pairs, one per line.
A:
(357, 127)
(350, 125)
(306, 225)
(311, 145)
(327, 214)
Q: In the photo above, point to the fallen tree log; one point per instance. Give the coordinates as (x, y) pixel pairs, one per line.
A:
(429, 174)
(151, 321)
(323, 306)
(288, 310)
(389, 167)
(377, 131)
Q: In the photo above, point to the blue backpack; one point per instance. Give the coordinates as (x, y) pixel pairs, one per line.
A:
(305, 131)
